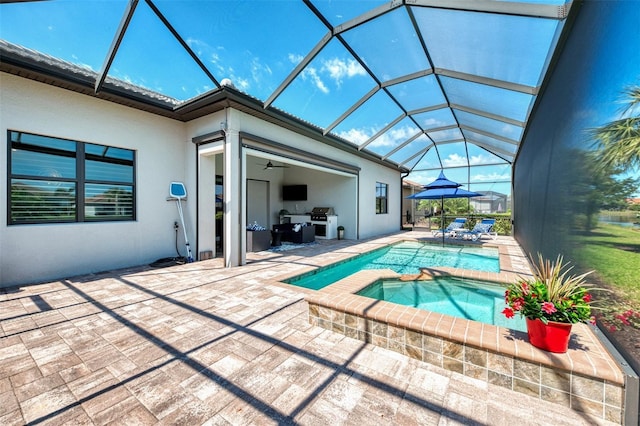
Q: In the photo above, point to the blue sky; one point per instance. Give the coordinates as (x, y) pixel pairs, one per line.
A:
(257, 44)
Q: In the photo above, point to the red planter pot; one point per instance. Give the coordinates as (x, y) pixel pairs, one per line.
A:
(552, 337)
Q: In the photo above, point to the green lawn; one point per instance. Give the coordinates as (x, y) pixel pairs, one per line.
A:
(614, 252)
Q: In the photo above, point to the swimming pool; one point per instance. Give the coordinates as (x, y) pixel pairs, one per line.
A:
(406, 257)
(469, 299)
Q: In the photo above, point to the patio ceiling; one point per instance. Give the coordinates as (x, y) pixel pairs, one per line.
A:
(422, 84)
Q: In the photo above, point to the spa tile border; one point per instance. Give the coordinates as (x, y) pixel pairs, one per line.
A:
(585, 378)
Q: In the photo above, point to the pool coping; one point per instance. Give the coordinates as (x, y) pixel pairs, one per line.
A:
(508, 271)
(586, 376)
(586, 354)
(341, 295)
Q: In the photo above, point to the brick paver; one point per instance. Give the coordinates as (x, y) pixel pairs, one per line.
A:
(201, 344)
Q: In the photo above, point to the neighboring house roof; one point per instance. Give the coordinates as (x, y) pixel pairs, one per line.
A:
(406, 183)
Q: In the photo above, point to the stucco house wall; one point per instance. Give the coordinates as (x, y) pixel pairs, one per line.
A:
(33, 253)
(165, 152)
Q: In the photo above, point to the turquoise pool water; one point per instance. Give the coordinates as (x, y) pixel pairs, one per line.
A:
(406, 257)
(473, 300)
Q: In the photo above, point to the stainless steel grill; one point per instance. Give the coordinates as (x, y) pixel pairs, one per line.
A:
(321, 213)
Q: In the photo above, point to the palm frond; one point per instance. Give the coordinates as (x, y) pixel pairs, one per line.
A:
(618, 142)
(632, 100)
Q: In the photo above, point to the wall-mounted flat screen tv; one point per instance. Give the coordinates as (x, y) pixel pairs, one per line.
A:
(294, 192)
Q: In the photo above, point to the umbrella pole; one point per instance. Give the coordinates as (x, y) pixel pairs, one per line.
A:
(442, 218)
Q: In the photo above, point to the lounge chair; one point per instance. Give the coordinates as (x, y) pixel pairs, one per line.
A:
(451, 230)
(484, 227)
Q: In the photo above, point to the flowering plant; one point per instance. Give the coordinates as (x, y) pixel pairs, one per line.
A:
(552, 294)
(616, 319)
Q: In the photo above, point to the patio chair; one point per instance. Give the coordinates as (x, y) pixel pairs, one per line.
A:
(484, 227)
(451, 229)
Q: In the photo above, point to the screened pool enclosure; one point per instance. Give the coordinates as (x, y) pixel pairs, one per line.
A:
(501, 95)
(422, 84)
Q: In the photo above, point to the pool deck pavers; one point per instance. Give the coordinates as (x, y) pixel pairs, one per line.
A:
(203, 344)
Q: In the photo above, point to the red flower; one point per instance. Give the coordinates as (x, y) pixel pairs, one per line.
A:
(525, 287)
(548, 307)
(592, 320)
(508, 312)
(587, 298)
(518, 303)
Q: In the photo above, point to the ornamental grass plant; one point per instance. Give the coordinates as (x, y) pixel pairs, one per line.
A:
(551, 295)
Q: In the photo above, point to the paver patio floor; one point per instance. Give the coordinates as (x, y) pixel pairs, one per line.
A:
(203, 344)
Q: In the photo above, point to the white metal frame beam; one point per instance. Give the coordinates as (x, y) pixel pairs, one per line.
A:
(536, 10)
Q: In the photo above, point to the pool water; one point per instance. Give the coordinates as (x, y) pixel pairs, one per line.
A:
(406, 257)
(469, 299)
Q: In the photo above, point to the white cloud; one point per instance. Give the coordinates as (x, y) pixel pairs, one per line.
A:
(197, 45)
(389, 139)
(508, 129)
(241, 83)
(422, 177)
(490, 177)
(339, 69)
(403, 133)
(395, 137)
(357, 136)
(430, 123)
(477, 160)
(259, 70)
(383, 141)
(312, 74)
(445, 135)
(219, 69)
(199, 90)
(454, 160)
(295, 58)
(335, 69)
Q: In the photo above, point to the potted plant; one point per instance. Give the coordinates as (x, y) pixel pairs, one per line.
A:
(551, 302)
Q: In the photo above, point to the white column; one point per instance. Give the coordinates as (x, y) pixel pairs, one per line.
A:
(234, 218)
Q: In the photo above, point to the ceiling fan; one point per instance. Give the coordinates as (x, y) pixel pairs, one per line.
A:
(271, 166)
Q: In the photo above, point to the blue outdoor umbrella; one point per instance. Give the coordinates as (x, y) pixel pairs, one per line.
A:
(440, 189)
(442, 182)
